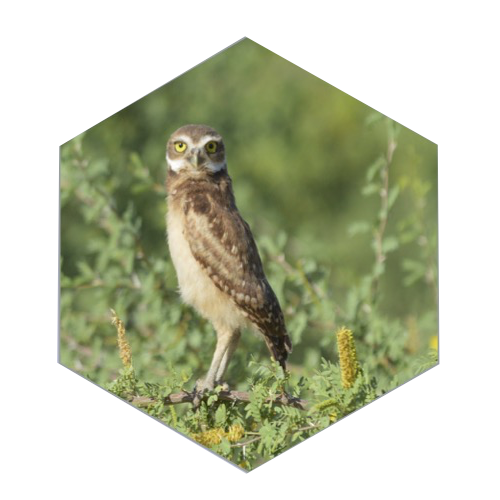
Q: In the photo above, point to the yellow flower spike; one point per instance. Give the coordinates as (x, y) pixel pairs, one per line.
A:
(323, 405)
(349, 366)
(210, 437)
(235, 433)
(214, 436)
(328, 404)
(123, 345)
(433, 343)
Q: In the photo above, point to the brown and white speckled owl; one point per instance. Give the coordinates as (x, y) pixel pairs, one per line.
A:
(217, 262)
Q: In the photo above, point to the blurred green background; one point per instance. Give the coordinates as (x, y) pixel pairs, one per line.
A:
(298, 151)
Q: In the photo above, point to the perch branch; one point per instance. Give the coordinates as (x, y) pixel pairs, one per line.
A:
(188, 397)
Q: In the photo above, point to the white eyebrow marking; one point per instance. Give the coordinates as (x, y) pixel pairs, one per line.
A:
(187, 140)
(208, 138)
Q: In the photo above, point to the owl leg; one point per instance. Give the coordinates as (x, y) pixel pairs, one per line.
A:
(224, 340)
(227, 357)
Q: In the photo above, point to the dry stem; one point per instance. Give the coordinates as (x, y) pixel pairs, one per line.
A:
(188, 397)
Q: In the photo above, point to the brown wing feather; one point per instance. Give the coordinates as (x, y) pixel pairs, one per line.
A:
(221, 241)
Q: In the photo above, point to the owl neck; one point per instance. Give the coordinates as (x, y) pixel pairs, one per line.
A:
(180, 183)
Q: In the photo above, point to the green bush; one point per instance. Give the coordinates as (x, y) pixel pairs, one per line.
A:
(251, 428)
(118, 267)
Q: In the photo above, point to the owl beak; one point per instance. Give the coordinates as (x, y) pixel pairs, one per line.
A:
(195, 158)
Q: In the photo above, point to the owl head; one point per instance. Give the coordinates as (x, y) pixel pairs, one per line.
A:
(196, 150)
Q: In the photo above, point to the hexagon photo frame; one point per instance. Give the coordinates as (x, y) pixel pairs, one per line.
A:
(330, 286)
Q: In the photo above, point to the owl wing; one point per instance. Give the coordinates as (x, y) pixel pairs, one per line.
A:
(222, 243)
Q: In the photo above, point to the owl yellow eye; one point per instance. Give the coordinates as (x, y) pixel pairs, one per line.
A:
(180, 146)
(211, 147)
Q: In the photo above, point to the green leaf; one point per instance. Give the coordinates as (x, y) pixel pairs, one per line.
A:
(393, 195)
(281, 240)
(98, 168)
(370, 189)
(297, 326)
(378, 269)
(389, 244)
(373, 118)
(393, 129)
(86, 272)
(268, 435)
(358, 227)
(135, 160)
(416, 271)
(220, 415)
(212, 399)
(375, 167)
(225, 446)
(382, 214)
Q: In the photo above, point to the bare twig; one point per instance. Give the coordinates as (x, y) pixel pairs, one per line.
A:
(380, 255)
(188, 397)
(245, 443)
(258, 436)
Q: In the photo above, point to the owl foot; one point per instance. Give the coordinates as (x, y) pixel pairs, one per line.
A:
(224, 385)
(201, 387)
(197, 397)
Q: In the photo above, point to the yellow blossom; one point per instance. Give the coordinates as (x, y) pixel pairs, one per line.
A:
(327, 403)
(123, 345)
(210, 437)
(433, 343)
(235, 433)
(349, 366)
(214, 436)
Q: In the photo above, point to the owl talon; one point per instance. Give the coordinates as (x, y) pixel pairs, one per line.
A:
(197, 398)
(224, 385)
(200, 388)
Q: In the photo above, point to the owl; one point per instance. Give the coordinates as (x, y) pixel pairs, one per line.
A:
(217, 263)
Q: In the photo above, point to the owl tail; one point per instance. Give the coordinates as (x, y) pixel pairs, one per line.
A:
(279, 346)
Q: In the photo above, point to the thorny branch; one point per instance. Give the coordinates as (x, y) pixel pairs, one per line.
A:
(189, 397)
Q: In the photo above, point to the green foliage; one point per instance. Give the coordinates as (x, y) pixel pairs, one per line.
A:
(249, 434)
(342, 202)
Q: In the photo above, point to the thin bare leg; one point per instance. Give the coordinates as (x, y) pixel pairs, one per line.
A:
(224, 339)
(227, 357)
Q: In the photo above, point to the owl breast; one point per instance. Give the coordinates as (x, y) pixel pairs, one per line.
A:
(196, 288)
